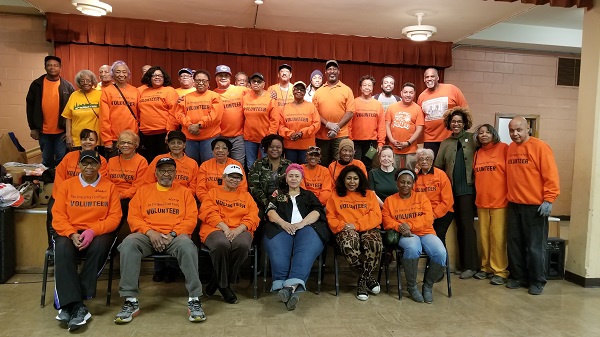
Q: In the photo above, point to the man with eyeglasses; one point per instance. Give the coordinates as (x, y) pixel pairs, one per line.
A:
(46, 99)
(186, 82)
(161, 217)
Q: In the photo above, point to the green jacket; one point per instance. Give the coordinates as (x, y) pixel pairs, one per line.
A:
(447, 155)
(260, 178)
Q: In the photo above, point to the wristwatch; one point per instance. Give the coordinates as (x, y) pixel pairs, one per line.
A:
(173, 234)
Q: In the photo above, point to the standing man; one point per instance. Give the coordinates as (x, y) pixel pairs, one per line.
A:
(104, 77)
(434, 101)
(335, 103)
(533, 185)
(241, 80)
(46, 99)
(282, 91)
(386, 98)
(186, 82)
(145, 68)
(232, 122)
(403, 125)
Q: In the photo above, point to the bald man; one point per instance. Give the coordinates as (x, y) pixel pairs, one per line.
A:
(533, 185)
(104, 77)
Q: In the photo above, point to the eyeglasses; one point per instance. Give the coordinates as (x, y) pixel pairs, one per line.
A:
(457, 122)
(163, 172)
(256, 81)
(424, 159)
(88, 164)
(185, 77)
(82, 81)
(200, 81)
(234, 177)
(157, 76)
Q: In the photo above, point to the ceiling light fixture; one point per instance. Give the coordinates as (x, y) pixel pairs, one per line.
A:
(92, 7)
(419, 32)
(258, 2)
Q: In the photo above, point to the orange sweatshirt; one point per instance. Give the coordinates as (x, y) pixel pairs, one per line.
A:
(368, 121)
(434, 104)
(157, 108)
(294, 118)
(332, 103)
(232, 123)
(531, 173)
(127, 175)
(69, 168)
(204, 109)
(363, 212)
(182, 92)
(187, 171)
(403, 121)
(335, 168)
(415, 211)
(209, 175)
(232, 208)
(51, 107)
(438, 189)
(163, 210)
(262, 116)
(318, 181)
(78, 208)
(489, 165)
(115, 117)
(283, 97)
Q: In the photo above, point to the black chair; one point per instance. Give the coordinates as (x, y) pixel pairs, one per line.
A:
(319, 271)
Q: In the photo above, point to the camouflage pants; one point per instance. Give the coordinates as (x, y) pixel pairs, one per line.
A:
(361, 250)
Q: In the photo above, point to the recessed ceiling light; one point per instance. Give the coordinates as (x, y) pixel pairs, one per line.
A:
(419, 32)
(92, 7)
(258, 2)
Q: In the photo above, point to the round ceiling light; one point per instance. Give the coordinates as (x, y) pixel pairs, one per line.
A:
(419, 32)
(92, 7)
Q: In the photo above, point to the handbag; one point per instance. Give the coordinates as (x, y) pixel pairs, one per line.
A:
(30, 195)
(371, 152)
(391, 238)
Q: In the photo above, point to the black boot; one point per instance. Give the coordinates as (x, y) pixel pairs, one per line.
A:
(431, 274)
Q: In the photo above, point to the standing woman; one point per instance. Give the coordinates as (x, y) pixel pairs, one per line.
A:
(83, 109)
(354, 218)
(299, 122)
(156, 107)
(455, 157)
(118, 107)
(489, 165)
(316, 81)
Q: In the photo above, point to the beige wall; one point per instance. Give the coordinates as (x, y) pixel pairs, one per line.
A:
(517, 82)
(22, 49)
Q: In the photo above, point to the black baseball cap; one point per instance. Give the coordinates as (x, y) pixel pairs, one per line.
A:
(176, 135)
(89, 154)
(285, 66)
(332, 63)
(52, 57)
(166, 160)
(259, 75)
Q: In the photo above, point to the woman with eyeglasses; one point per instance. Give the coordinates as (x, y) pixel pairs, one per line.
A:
(156, 106)
(83, 109)
(299, 122)
(317, 178)
(381, 179)
(199, 113)
(455, 157)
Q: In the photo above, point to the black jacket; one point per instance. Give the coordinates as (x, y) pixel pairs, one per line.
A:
(35, 117)
(307, 202)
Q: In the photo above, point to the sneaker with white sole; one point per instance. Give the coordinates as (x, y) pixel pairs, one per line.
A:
(196, 314)
(129, 310)
(373, 286)
(80, 316)
(361, 292)
(63, 316)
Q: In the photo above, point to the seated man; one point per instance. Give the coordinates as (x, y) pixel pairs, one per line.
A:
(86, 214)
(162, 216)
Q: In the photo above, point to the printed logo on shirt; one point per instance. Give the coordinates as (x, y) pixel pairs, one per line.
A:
(346, 205)
(434, 108)
(405, 216)
(518, 159)
(231, 204)
(402, 120)
(86, 106)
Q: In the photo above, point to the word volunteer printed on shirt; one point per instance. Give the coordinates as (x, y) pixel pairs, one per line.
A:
(171, 205)
(352, 204)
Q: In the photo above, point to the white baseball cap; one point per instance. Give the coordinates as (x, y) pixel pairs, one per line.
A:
(233, 169)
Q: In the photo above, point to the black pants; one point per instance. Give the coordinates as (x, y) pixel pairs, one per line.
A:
(441, 226)
(152, 145)
(434, 146)
(361, 147)
(464, 213)
(329, 150)
(527, 238)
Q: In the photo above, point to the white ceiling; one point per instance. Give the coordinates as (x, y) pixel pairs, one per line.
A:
(464, 22)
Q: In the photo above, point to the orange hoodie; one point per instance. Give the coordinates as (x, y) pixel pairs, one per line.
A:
(434, 104)
(127, 174)
(335, 168)
(363, 212)
(209, 174)
(69, 168)
(438, 189)
(232, 123)
(78, 208)
(368, 121)
(187, 171)
(232, 208)
(489, 165)
(262, 116)
(332, 103)
(531, 173)
(318, 181)
(205, 109)
(115, 117)
(163, 210)
(156, 108)
(294, 118)
(415, 211)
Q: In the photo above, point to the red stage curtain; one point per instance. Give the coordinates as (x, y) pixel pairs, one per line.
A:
(558, 3)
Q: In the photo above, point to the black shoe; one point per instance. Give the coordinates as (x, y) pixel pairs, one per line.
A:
(284, 294)
(79, 318)
(171, 275)
(515, 284)
(228, 295)
(292, 302)
(211, 288)
(64, 315)
(159, 276)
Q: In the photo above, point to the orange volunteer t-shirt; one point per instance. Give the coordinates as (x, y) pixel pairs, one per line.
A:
(115, 117)
(261, 115)
(156, 107)
(415, 212)
(204, 109)
(186, 175)
(284, 97)
(318, 181)
(363, 212)
(69, 168)
(232, 122)
(403, 121)
(368, 121)
(127, 174)
(51, 107)
(434, 104)
(299, 117)
(332, 102)
(438, 189)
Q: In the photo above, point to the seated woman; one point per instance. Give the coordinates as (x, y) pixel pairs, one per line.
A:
(86, 214)
(294, 236)
(354, 217)
(346, 154)
(411, 214)
(316, 178)
(382, 179)
(229, 218)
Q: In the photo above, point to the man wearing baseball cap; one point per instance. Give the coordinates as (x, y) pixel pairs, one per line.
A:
(232, 122)
(282, 91)
(186, 82)
(335, 103)
(162, 217)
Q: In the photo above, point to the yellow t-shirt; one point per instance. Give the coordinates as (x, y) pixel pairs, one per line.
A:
(83, 112)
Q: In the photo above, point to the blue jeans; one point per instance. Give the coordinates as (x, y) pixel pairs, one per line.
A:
(199, 150)
(292, 257)
(252, 149)
(430, 243)
(296, 156)
(53, 148)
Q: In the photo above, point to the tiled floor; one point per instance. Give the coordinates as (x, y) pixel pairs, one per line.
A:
(476, 309)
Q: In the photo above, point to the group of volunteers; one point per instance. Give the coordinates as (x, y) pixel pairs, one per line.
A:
(292, 167)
